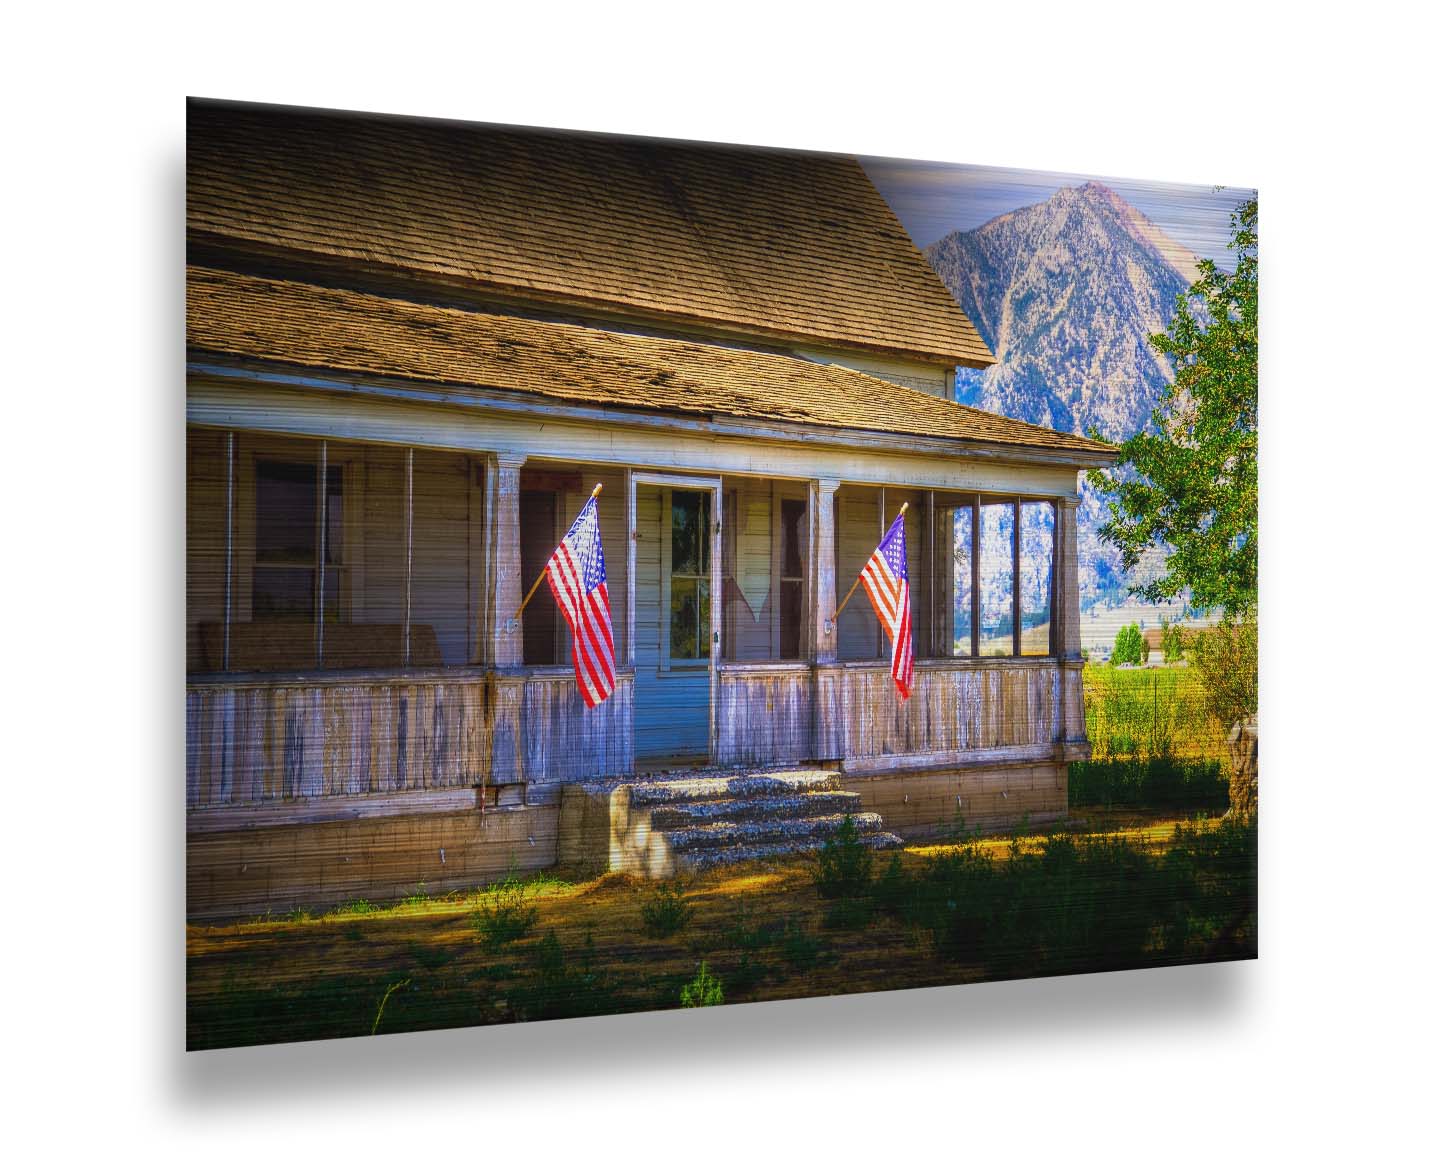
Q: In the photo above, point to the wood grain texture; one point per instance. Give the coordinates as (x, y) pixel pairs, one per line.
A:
(249, 743)
(952, 709)
(765, 716)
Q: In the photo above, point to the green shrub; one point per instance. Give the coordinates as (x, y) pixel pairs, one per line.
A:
(1172, 643)
(506, 912)
(1169, 784)
(704, 991)
(843, 864)
(1226, 660)
(666, 910)
(1130, 646)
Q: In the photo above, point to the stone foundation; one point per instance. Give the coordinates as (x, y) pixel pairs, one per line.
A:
(277, 868)
(930, 801)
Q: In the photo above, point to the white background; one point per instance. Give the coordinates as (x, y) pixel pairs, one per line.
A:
(1327, 1038)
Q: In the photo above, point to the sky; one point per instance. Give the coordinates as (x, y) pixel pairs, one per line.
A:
(933, 199)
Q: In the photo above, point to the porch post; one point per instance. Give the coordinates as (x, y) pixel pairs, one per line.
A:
(503, 531)
(1067, 631)
(822, 583)
(505, 647)
(823, 632)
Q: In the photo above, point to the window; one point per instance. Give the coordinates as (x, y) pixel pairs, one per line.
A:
(765, 554)
(1009, 578)
(286, 571)
(539, 536)
(997, 577)
(689, 575)
(1037, 565)
(958, 525)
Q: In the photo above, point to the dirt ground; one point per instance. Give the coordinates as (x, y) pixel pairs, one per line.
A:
(435, 962)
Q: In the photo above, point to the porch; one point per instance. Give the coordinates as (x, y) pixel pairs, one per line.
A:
(354, 657)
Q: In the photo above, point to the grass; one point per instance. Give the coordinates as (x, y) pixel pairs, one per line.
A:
(507, 912)
(1153, 744)
(1149, 714)
(1157, 893)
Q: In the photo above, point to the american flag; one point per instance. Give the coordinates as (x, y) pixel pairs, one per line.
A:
(886, 577)
(576, 574)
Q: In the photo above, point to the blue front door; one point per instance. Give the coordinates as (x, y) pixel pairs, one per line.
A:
(673, 631)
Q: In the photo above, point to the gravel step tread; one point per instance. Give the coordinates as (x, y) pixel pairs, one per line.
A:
(722, 833)
(696, 860)
(784, 806)
(715, 786)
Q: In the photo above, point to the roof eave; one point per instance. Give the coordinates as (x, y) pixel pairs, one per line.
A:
(471, 396)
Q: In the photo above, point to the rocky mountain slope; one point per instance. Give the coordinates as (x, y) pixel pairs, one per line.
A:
(1066, 294)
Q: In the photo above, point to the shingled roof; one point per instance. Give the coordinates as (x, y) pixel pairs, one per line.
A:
(791, 246)
(231, 314)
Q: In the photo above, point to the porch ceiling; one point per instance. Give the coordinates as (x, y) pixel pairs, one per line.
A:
(287, 322)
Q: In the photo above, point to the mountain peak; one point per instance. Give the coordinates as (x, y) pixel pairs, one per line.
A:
(1067, 293)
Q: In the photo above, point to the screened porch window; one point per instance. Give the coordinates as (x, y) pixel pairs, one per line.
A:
(327, 554)
(1000, 596)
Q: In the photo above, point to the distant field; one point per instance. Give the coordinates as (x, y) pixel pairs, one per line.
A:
(1149, 714)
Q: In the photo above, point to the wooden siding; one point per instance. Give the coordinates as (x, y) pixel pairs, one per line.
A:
(256, 743)
(765, 716)
(564, 741)
(250, 743)
(952, 709)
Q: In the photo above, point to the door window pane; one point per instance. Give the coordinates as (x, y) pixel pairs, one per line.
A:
(689, 575)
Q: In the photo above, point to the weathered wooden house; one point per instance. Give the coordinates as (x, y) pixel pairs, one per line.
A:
(414, 347)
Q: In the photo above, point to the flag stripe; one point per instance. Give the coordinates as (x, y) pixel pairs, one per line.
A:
(586, 631)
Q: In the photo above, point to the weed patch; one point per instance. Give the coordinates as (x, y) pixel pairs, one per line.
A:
(705, 991)
(666, 910)
(506, 913)
(1080, 905)
(553, 987)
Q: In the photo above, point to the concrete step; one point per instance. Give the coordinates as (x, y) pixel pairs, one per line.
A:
(723, 834)
(698, 859)
(784, 806)
(738, 785)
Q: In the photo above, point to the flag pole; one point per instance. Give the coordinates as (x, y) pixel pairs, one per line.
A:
(535, 587)
(857, 579)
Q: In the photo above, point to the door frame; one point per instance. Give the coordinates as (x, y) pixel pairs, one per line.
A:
(713, 485)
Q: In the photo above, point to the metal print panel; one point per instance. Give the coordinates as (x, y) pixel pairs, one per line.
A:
(533, 483)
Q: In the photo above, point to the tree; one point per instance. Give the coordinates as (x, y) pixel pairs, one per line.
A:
(1130, 646)
(1172, 642)
(1189, 482)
